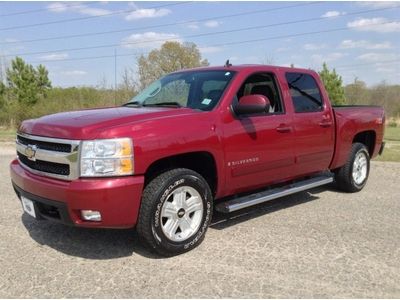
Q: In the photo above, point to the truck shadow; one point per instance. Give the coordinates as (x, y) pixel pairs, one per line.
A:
(86, 242)
(111, 243)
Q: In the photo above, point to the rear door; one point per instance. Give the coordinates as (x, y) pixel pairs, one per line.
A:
(313, 124)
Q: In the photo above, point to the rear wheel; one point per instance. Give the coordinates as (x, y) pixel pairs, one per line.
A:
(175, 211)
(353, 176)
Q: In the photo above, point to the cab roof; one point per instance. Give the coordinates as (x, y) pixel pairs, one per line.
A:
(249, 67)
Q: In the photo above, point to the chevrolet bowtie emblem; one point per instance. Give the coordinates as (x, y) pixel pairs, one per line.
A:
(30, 152)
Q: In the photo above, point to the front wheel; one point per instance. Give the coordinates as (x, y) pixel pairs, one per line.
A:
(175, 211)
(353, 176)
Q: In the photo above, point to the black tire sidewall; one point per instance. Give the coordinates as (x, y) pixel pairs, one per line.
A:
(353, 183)
(184, 179)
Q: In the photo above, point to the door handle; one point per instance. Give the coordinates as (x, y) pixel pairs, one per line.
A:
(283, 128)
(325, 123)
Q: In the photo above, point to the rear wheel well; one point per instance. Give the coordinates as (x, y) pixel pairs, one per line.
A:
(200, 162)
(368, 139)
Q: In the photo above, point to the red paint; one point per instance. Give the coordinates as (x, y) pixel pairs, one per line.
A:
(249, 152)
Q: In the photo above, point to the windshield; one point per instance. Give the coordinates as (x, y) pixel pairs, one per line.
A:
(197, 89)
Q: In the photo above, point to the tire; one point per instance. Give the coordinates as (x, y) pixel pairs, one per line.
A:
(175, 212)
(353, 176)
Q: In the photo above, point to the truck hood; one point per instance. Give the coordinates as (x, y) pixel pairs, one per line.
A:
(86, 124)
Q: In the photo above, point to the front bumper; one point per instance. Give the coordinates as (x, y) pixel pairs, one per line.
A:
(117, 199)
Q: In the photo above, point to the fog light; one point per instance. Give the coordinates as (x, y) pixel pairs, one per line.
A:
(91, 215)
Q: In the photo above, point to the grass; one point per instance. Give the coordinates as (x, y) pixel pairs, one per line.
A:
(392, 134)
(7, 135)
(392, 148)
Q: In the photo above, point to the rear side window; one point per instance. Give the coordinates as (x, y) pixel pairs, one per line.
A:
(305, 93)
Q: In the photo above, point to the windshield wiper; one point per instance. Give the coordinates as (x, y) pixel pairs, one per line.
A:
(172, 103)
(133, 103)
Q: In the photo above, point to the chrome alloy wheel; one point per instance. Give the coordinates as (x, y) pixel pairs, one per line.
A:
(181, 214)
(360, 168)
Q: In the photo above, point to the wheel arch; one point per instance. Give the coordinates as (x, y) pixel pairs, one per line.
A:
(202, 162)
(367, 138)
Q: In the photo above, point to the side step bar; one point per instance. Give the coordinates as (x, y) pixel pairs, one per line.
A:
(264, 196)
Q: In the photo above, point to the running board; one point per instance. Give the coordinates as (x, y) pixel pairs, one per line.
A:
(264, 196)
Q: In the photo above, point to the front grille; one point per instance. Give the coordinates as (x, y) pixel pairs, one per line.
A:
(51, 157)
(45, 166)
(44, 145)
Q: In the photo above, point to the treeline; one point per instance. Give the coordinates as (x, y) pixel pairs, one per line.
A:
(62, 99)
(382, 94)
(26, 92)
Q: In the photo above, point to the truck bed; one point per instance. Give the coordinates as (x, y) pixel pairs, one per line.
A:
(351, 120)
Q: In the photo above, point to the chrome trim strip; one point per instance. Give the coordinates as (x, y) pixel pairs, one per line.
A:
(46, 155)
(50, 140)
(71, 159)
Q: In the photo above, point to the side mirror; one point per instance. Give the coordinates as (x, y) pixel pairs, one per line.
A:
(252, 104)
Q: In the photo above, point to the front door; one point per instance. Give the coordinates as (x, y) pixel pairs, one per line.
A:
(258, 148)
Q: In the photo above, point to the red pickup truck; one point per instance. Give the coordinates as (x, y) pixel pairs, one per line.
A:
(221, 138)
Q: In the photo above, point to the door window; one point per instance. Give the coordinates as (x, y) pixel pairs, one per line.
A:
(263, 84)
(305, 93)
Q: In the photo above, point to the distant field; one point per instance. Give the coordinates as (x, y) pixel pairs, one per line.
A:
(392, 148)
(391, 153)
(392, 134)
(7, 135)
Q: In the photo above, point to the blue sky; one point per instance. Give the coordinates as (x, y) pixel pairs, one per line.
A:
(367, 47)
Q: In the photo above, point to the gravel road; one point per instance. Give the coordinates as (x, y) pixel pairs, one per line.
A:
(320, 243)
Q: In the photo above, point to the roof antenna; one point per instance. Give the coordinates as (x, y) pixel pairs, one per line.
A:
(228, 64)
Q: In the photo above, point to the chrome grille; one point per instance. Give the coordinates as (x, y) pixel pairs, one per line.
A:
(49, 157)
(45, 145)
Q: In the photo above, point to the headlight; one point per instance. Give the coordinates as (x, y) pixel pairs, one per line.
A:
(111, 157)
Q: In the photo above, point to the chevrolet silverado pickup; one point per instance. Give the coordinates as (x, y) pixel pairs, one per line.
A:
(194, 141)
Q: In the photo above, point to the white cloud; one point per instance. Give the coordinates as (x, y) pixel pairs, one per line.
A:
(331, 14)
(212, 24)
(148, 40)
(209, 24)
(282, 49)
(329, 57)
(382, 68)
(314, 47)
(147, 13)
(59, 7)
(54, 56)
(211, 49)
(378, 4)
(91, 11)
(350, 44)
(74, 73)
(377, 57)
(193, 26)
(374, 24)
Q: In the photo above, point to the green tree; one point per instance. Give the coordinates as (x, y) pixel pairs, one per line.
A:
(2, 94)
(26, 83)
(2, 88)
(333, 85)
(172, 56)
